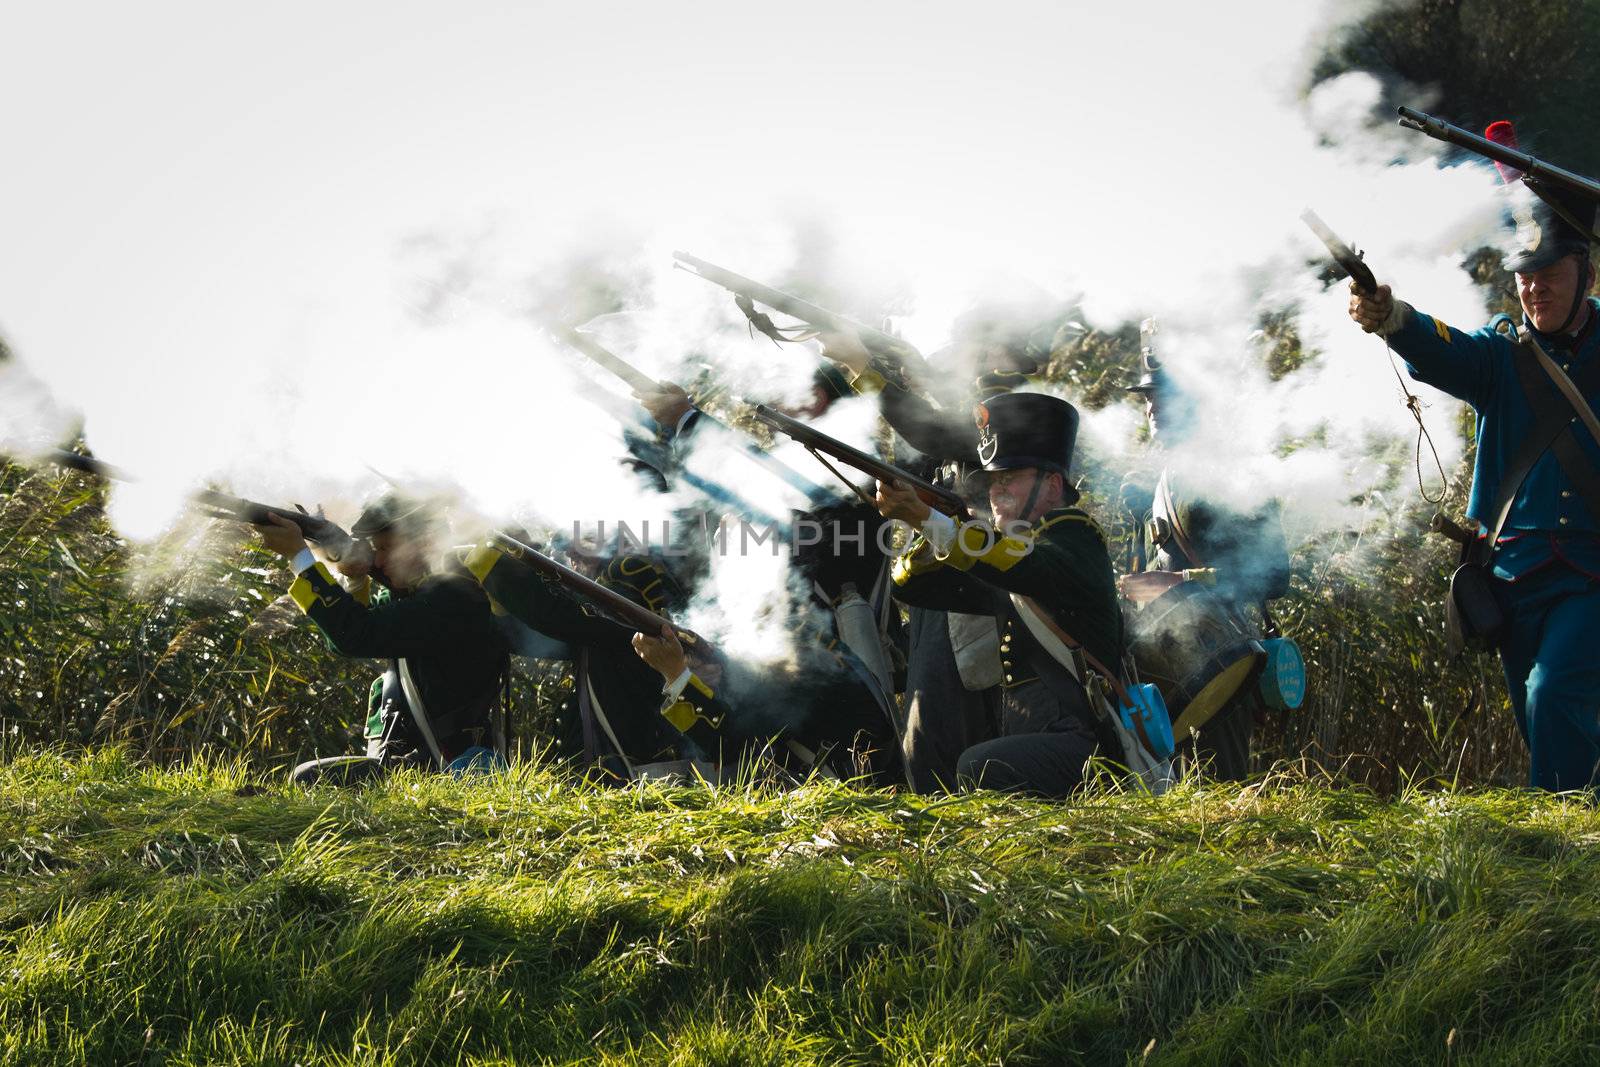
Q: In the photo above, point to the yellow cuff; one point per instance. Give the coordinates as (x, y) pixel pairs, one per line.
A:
(303, 593)
(1203, 575)
(975, 544)
(918, 558)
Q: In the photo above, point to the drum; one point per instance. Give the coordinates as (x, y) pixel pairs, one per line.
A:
(1197, 650)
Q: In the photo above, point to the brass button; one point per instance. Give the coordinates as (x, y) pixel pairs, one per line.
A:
(1006, 664)
(1008, 677)
(1565, 493)
(1563, 520)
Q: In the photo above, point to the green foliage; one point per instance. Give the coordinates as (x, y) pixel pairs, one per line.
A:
(205, 916)
(1488, 60)
(182, 647)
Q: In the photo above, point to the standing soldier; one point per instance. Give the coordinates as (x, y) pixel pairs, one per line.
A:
(1044, 569)
(434, 706)
(1543, 507)
(1241, 559)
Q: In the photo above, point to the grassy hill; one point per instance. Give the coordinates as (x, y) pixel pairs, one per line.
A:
(204, 916)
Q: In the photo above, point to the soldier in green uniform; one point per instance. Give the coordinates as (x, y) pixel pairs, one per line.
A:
(953, 670)
(435, 706)
(1042, 566)
(618, 729)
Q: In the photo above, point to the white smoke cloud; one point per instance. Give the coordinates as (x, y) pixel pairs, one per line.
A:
(279, 259)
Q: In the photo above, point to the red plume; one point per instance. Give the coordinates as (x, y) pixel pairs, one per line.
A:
(1503, 133)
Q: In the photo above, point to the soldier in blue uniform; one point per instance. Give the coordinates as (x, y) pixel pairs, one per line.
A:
(1546, 563)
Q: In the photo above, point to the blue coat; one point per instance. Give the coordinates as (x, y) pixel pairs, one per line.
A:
(1549, 521)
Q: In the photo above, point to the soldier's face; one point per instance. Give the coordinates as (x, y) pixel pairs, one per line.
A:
(1009, 491)
(1548, 294)
(403, 560)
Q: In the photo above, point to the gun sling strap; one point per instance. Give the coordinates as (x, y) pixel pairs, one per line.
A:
(1066, 649)
(1554, 398)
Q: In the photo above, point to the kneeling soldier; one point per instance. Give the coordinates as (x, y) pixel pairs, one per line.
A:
(1044, 568)
(435, 704)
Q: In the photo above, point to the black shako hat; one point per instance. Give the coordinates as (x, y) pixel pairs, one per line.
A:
(393, 511)
(1544, 237)
(1017, 430)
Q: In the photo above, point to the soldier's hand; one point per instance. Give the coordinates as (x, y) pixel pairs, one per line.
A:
(845, 349)
(281, 536)
(356, 561)
(895, 501)
(662, 652)
(1371, 312)
(667, 405)
(1145, 587)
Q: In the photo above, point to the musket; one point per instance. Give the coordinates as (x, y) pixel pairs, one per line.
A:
(332, 537)
(819, 443)
(1535, 173)
(891, 357)
(640, 383)
(610, 601)
(637, 380)
(1348, 258)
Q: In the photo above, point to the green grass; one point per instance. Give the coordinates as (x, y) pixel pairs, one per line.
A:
(203, 916)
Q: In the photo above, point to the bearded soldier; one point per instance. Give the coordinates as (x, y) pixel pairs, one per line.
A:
(1042, 567)
(434, 706)
(1543, 505)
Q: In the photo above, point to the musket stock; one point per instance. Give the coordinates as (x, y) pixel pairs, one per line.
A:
(1349, 260)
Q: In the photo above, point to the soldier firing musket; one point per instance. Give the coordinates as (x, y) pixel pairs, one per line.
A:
(435, 705)
(1530, 583)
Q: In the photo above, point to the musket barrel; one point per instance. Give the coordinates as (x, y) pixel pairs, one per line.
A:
(87, 464)
(813, 315)
(636, 615)
(1530, 166)
(810, 437)
(637, 380)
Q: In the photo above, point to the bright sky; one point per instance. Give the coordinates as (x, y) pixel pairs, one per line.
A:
(204, 205)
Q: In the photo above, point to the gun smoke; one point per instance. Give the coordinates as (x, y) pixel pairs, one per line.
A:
(303, 285)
